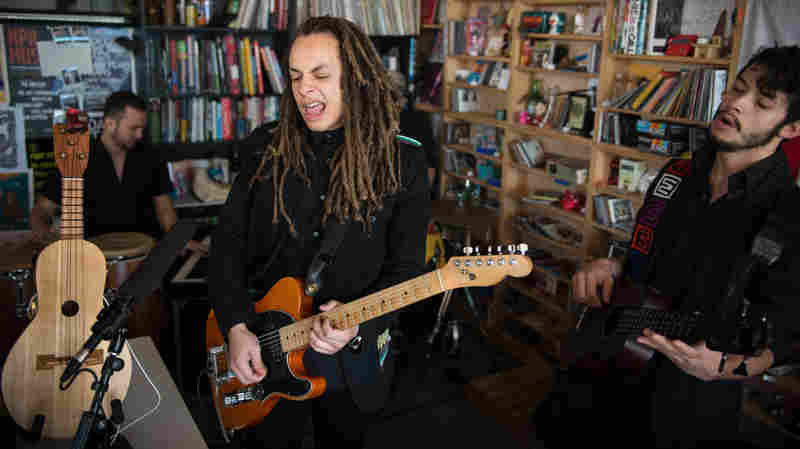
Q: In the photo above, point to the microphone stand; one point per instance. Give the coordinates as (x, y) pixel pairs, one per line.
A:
(94, 425)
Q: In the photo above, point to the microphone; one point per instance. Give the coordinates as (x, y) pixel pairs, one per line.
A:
(144, 281)
(77, 360)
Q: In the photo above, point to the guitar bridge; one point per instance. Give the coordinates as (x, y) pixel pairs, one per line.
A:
(252, 393)
(217, 362)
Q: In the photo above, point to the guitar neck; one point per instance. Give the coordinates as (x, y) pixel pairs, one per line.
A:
(71, 208)
(296, 335)
(630, 321)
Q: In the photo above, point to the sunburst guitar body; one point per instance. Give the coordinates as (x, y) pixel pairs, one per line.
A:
(70, 278)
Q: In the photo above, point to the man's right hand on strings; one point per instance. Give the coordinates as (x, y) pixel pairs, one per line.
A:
(594, 282)
(244, 355)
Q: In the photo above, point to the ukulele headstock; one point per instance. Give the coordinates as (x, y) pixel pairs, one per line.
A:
(71, 144)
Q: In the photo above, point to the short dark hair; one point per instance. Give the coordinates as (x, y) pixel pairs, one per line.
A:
(782, 75)
(118, 101)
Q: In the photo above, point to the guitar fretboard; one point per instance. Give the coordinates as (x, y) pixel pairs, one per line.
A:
(630, 321)
(71, 208)
(296, 335)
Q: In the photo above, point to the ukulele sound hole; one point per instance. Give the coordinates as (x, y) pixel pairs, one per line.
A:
(70, 308)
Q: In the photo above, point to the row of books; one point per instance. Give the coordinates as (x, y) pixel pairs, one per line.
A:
(431, 11)
(614, 212)
(224, 65)
(668, 139)
(490, 73)
(259, 14)
(375, 17)
(691, 94)
(474, 36)
(205, 119)
(528, 152)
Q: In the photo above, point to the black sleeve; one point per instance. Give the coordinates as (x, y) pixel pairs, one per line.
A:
(227, 276)
(52, 187)
(405, 256)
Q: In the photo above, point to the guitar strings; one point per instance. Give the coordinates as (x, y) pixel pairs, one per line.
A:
(271, 339)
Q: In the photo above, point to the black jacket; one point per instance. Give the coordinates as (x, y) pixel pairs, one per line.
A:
(249, 254)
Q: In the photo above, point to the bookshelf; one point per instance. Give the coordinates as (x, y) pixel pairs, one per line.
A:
(518, 180)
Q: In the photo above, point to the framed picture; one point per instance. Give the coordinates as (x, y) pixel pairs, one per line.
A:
(16, 200)
(579, 113)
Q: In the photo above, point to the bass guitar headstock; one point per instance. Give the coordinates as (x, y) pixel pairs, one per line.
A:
(71, 144)
(480, 270)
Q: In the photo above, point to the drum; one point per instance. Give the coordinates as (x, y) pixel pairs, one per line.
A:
(124, 252)
(16, 291)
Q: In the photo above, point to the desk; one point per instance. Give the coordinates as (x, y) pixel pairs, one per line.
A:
(170, 425)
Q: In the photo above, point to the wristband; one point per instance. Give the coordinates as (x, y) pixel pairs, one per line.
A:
(722, 362)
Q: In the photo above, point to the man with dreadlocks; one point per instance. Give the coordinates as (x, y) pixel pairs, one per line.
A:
(335, 156)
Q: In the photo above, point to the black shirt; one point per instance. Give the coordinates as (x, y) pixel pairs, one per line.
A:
(114, 205)
(391, 252)
(697, 243)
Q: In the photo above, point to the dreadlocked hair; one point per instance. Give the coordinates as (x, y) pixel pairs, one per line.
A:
(363, 170)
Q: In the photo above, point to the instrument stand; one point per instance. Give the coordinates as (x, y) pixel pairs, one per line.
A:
(19, 276)
(97, 430)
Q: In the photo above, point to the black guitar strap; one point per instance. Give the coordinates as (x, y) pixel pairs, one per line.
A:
(334, 235)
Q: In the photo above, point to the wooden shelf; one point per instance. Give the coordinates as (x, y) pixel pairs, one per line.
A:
(481, 58)
(573, 250)
(465, 85)
(477, 117)
(479, 219)
(574, 217)
(431, 26)
(574, 73)
(207, 29)
(474, 180)
(427, 107)
(550, 302)
(564, 37)
(549, 132)
(660, 118)
(563, 2)
(675, 59)
(634, 197)
(619, 233)
(632, 153)
(543, 172)
(468, 149)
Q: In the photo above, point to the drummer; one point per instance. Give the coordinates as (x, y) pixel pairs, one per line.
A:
(126, 185)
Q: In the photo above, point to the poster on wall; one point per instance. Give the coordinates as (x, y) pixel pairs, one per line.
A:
(3, 71)
(60, 66)
(16, 200)
(12, 140)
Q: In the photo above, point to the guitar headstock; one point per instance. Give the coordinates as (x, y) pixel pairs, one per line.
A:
(481, 270)
(71, 144)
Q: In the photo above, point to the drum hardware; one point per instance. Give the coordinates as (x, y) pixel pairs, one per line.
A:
(24, 309)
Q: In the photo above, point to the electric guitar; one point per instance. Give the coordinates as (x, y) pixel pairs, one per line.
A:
(70, 278)
(603, 339)
(284, 325)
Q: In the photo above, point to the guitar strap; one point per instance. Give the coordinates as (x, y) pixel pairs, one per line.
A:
(664, 188)
(334, 235)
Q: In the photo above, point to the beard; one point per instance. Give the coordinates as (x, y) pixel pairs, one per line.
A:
(749, 141)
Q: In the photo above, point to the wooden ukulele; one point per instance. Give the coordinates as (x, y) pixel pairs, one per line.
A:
(70, 278)
(603, 339)
(284, 324)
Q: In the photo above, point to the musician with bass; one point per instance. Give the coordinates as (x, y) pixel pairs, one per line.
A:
(718, 233)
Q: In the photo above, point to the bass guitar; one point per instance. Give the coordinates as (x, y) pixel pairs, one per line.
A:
(284, 326)
(603, 339)
(70, 278)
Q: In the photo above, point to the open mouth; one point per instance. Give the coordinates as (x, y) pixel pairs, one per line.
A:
(729, 121)
(314, 109)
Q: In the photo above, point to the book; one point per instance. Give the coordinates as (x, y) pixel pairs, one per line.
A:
(619, 210)
(629, 173)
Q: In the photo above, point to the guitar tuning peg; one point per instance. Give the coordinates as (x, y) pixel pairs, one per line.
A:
(511, 249)
(489, 249)
(468, 250)
(499, 249)
(523, 248)
(477, 250)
